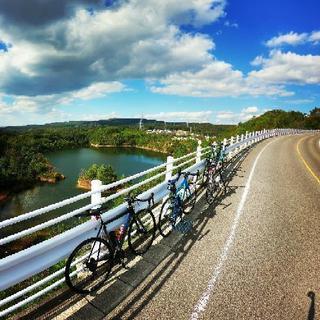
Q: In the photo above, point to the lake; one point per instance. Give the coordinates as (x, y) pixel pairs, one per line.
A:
(125, 161)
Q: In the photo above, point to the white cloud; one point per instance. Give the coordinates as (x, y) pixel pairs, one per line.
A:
(95, 90)
(227, 23)
(216, 79)
(299, 101)
(28, 104)
(315, 37)
(196, 116)
(250, 110)
(98, 89)
(225, 115)
(135, 40)
(293, 39)
(12, 115)
(257, 61)
(230, 117)
(288, 67)
(48, 103)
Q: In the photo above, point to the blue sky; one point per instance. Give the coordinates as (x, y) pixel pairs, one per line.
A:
(199, 60)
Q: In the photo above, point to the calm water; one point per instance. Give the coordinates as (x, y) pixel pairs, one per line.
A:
(125, 161)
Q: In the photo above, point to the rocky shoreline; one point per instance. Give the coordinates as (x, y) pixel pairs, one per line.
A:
(84, 184)
(51, 177)
(93, 145)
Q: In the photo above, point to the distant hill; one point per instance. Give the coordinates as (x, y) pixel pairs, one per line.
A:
(107, 122)
(268, 120)
(202, 128)
(282, 119)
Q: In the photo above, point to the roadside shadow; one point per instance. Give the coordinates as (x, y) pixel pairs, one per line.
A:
(312, 310)
(232, 169)
(142, 298)
(160, 266)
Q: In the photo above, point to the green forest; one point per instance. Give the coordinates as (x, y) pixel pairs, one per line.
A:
(22, 149)
(282, 119)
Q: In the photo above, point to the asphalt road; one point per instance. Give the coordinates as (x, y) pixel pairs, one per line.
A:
(254, 256)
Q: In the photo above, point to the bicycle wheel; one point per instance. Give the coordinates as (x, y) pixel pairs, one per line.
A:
(189, 198)
(166, 218)
(142, 231)
(204, 178)
(89, 265)
(213, 189)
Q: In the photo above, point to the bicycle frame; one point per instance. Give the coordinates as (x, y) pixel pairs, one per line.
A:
(177, 197)
(110, 236)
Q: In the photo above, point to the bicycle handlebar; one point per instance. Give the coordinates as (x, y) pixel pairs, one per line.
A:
(149, 200)
(90, 213)
(185, 173)
(130, 200)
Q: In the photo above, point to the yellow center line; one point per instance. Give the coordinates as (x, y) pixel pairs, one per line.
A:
(305, 163)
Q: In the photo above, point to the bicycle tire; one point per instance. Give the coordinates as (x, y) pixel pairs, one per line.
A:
(213, 189)
(139, 241)
(91, 275)
(166, 223)
(204, 178)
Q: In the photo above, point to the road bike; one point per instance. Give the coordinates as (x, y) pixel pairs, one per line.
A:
(213, 180)
(90, 263)
(181, 201)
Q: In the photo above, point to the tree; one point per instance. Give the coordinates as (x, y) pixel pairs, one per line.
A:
(103, 172)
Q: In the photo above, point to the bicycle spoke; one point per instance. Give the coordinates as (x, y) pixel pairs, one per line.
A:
(89, 265)
(141, 231)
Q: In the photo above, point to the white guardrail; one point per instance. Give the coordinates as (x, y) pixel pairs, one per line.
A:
(26, 263)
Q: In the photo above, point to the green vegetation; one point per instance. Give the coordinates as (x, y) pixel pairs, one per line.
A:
(282, 119)
(21, 164)
(105, 173)
(22, 160)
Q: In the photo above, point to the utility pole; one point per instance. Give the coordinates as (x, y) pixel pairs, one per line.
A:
(141, 123)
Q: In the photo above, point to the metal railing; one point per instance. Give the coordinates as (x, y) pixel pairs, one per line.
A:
(29, 262)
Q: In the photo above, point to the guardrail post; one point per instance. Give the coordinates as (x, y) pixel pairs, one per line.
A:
(237, 141)
(225, 141)
(96, 197)
(169, 168)
(214, 149)
(231, 143)
(198, 156)
(241, 141)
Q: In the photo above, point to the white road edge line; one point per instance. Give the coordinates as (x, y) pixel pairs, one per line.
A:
(204, 299)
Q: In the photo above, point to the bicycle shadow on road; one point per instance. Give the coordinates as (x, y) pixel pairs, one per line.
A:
(129, 291)
(141, 298)
(312, 310)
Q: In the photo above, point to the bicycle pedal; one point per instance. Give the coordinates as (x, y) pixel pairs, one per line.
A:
(124, 263)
